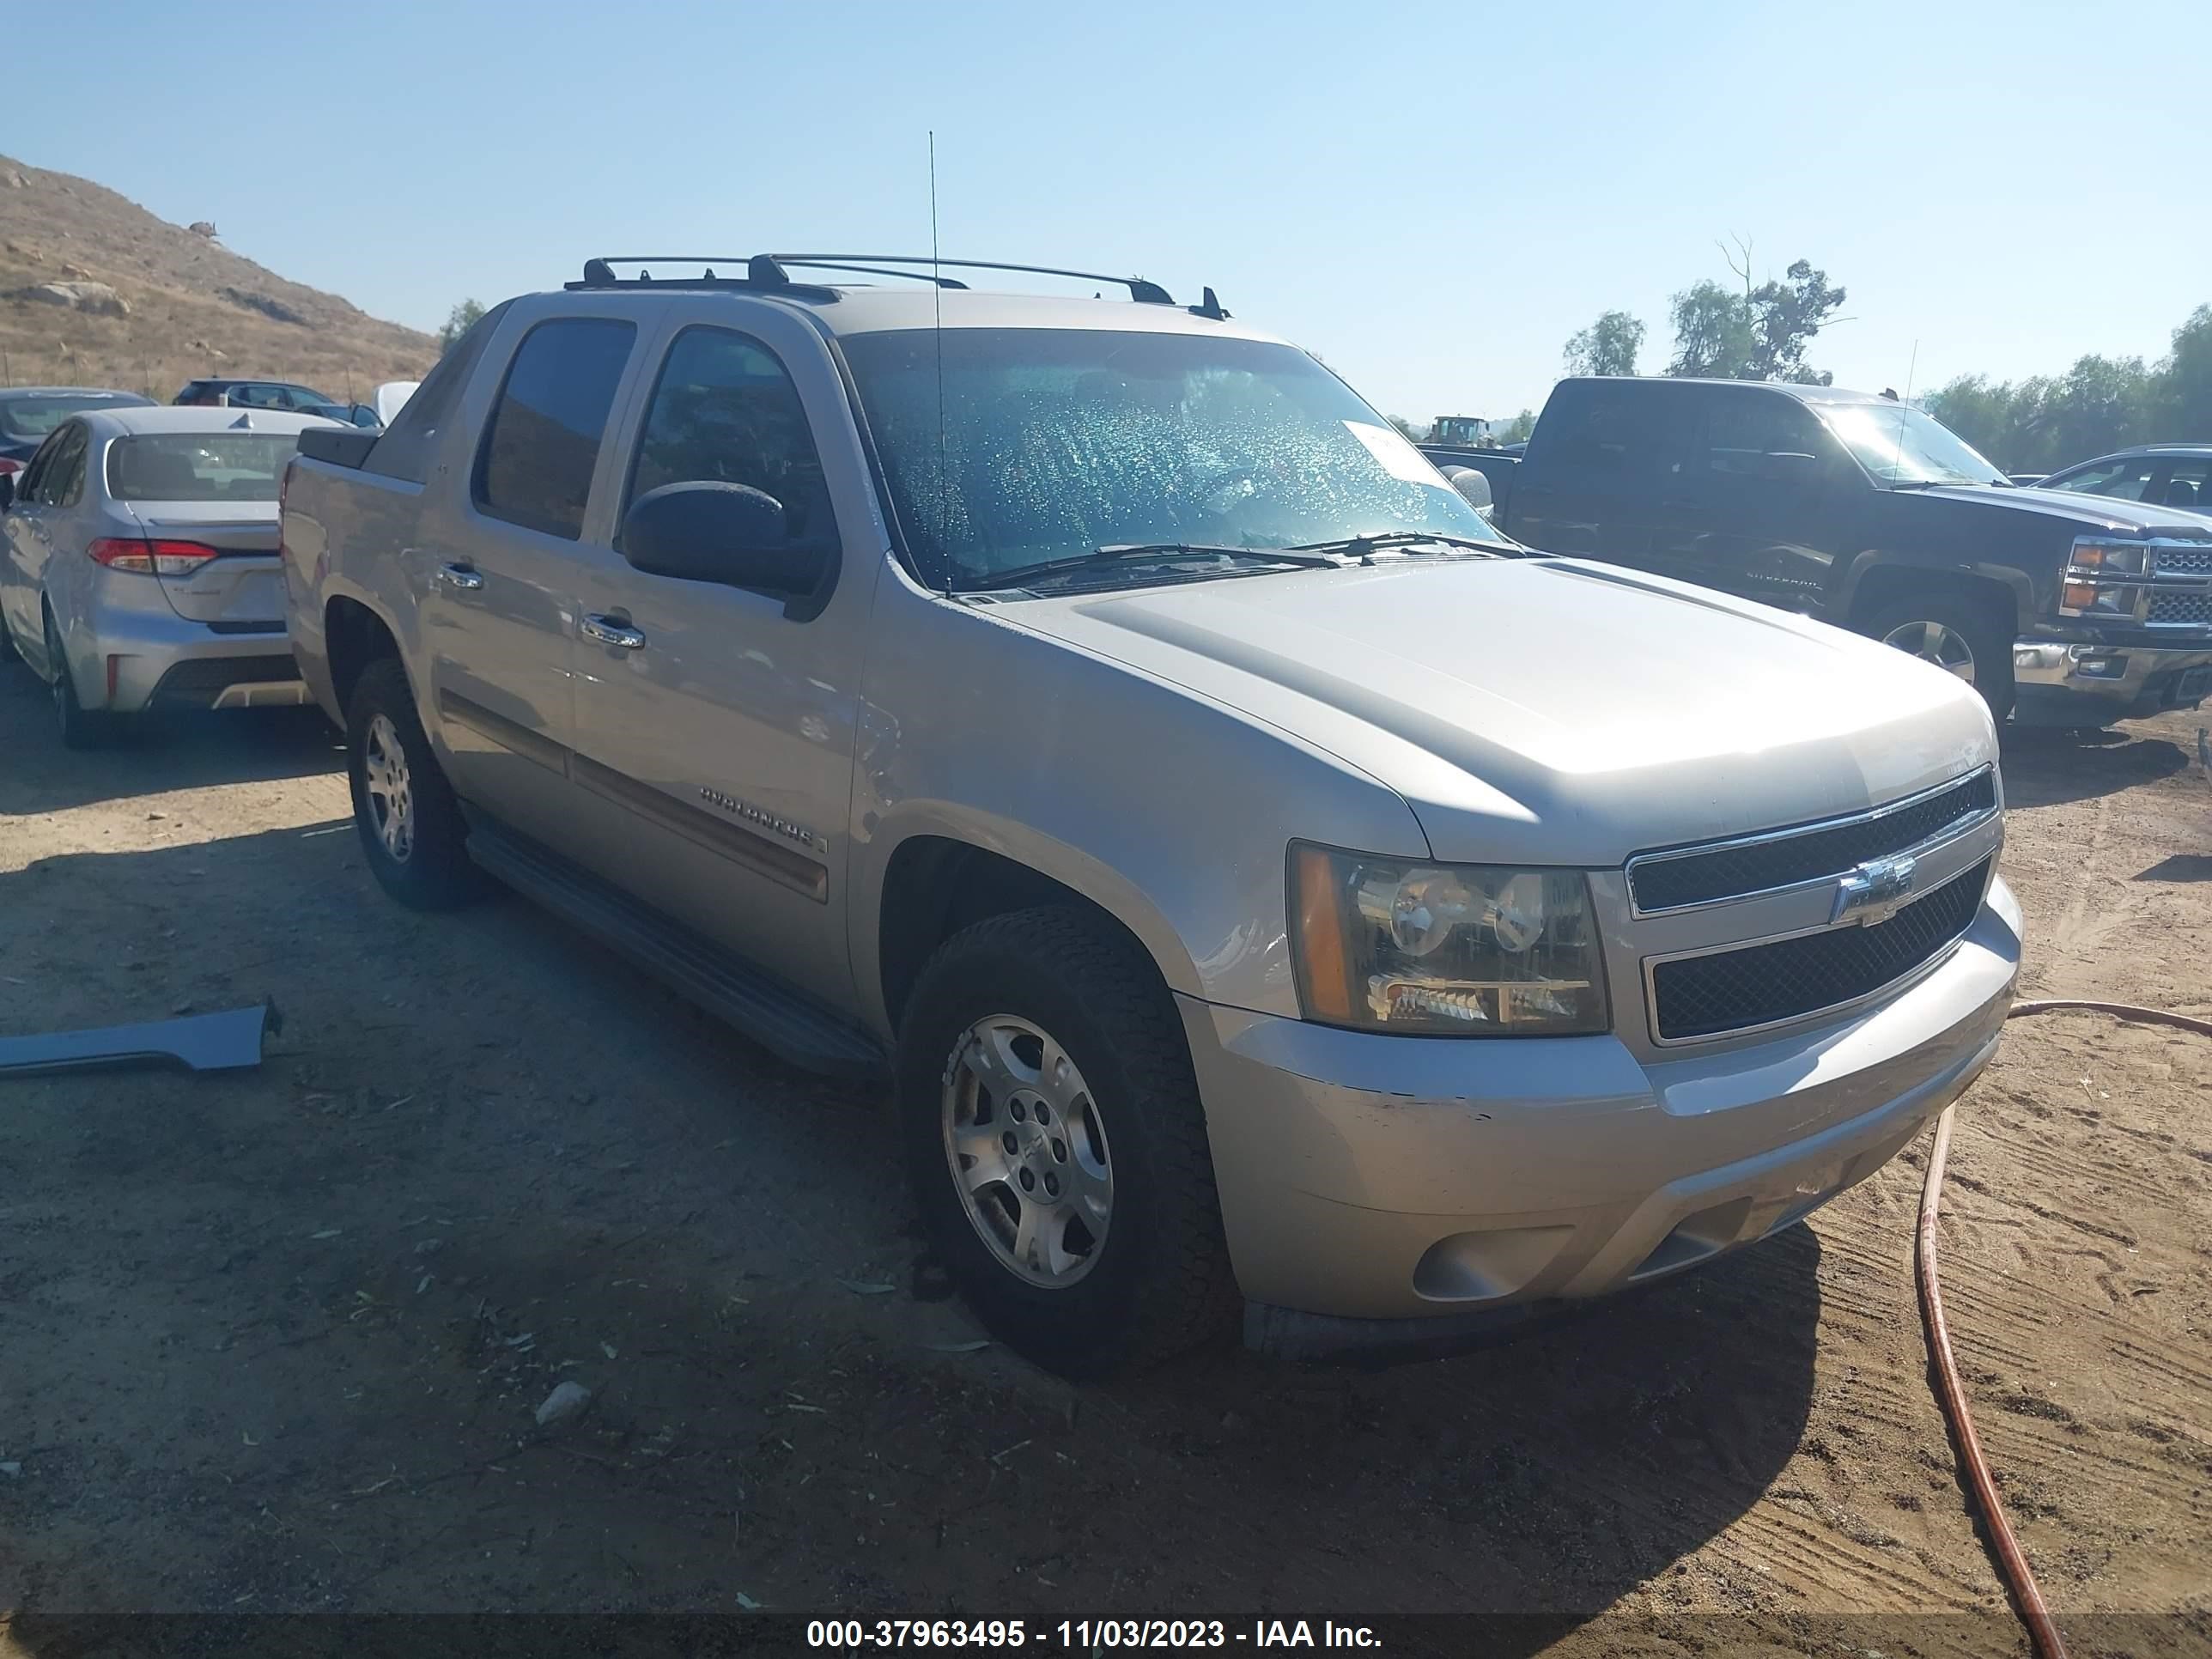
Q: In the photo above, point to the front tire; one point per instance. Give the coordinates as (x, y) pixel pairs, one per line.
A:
(1057, 1146)
(410, 824)
(1957, 635)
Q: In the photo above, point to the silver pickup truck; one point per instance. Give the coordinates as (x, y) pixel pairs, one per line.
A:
(1258, 879)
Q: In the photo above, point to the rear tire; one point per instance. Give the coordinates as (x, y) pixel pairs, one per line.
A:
(410, 824)
(1938, 626)
(1072, 1199)
(80, 727)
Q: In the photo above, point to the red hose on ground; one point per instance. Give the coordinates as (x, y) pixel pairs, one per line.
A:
(2034, 1611)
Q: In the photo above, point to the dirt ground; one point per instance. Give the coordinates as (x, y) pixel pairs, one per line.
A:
(273, 1340)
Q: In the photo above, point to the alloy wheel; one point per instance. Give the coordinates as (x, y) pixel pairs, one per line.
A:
(1027, 1149)
(1931, 641)
(391, 789)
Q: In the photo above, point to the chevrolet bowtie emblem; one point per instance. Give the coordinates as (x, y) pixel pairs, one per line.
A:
(1875, 890)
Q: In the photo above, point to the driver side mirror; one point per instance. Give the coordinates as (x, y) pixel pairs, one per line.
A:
(730, 534)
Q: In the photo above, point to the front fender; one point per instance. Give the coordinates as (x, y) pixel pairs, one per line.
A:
(2025, 604)
(1172, 812)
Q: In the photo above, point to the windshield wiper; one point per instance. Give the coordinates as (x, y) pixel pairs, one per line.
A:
(1142, 552)
(1359, 546)
(1934, 484)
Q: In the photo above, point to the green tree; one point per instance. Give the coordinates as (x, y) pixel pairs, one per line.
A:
(2183, 392)
(1607, 346)
(1406, 430)
(462, 318)
(2100, 403)
(1761, 334)
(1785, 316)
(1714, 337)
(1992, 416)
(1518, 428)
(2041, 423)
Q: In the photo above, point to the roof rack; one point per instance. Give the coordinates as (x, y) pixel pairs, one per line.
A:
(768, 272)
(1144, 293)
(762, 274)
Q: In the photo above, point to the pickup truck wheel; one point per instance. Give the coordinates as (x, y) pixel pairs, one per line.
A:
(410, 825)
(80, 727)
(1956, 635)
(1057, 1146)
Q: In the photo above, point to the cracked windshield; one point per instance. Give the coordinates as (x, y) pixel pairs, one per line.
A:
(1056, 442)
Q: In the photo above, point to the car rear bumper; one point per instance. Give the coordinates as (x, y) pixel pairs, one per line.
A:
(1372, 1186)
(2059, 685)
(131, 661)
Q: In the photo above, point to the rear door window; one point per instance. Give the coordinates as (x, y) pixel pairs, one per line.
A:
(1613, 434)
(542, 442)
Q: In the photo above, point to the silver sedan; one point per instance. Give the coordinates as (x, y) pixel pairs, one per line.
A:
(141, 566)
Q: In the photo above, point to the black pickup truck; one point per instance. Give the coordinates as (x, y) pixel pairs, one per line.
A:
(2061, 609)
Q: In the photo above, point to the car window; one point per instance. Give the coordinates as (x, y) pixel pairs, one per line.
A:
(724, 410)
(28, 419)
(2187, 482)
(1742, 434)
(2124, 478)
(63, 484)
(199, 466)
(33, 477)
(542, 439)
(1006, 446)
(1613, 432)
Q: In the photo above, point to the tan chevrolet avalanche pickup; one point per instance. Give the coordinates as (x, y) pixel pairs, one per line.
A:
(1262, 885)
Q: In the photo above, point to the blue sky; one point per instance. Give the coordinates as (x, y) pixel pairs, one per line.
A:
(1432, 197)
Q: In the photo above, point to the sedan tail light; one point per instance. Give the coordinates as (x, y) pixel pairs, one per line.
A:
(148, 557)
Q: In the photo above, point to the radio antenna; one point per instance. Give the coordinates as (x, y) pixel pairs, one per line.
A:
(937, 289)
(1912, 365)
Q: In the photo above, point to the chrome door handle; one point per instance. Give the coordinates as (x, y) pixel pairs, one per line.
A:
(612, 630)
(460, 576)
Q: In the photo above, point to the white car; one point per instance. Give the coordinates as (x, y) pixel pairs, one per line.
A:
(391, 398)
(140, 568)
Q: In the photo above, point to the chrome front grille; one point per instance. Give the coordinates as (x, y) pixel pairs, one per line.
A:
(1677, 879)
(2180, 608)
(2171, 559)
(1779, 980)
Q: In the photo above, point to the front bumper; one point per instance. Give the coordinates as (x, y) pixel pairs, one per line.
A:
(2085, 684)
(1373, 1185)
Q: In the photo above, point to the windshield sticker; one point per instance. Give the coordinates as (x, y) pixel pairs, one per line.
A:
(1399, 458)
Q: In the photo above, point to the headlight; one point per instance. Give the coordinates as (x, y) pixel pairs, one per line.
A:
(2101, 558)
(1464, 949)
(2095, 571)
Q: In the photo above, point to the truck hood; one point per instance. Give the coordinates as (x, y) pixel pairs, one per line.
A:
(2091, 512)
(1550, 711)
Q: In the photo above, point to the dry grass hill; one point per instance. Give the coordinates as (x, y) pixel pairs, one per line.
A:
(96, 291)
